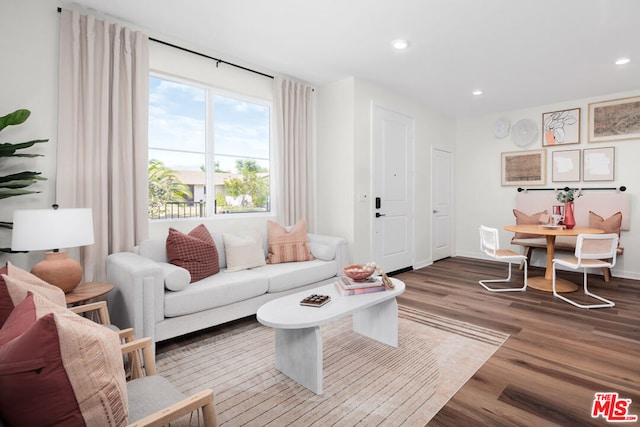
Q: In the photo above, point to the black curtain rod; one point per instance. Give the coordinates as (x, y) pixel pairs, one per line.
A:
(621, 188)
(218, 60)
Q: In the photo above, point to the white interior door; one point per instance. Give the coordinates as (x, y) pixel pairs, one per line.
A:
(392, 177)
(441, 174)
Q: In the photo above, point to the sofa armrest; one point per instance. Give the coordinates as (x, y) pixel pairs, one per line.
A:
(137, 300)
(338, 244)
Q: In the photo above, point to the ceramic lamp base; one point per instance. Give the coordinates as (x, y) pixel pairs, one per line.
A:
(59, 270)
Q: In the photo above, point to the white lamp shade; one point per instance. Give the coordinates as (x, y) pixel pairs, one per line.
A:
(49, 229)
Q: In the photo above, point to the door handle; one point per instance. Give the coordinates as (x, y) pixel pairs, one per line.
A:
(378, 214)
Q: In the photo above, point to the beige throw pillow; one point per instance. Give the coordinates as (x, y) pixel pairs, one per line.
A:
(243, 250)
(19, 282)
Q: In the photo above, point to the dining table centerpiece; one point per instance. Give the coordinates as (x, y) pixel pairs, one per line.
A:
(567, 196)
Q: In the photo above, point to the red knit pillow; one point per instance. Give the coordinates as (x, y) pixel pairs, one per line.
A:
(195, 252)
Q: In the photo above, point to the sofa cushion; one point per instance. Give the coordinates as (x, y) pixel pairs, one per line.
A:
(19, 282)
(288, 245)
(291, 275)
(58, 368)
(195, 252)
(215, 291)
(243, 250)
(523, 218)
(175, 278)
(610, 225)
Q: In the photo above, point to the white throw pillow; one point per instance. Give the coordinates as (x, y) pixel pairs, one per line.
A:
(244, 250)
(175, 278)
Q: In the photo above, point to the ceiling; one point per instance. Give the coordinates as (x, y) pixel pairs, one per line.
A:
(520, 53)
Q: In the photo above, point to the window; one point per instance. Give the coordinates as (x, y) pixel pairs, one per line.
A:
(200, 139)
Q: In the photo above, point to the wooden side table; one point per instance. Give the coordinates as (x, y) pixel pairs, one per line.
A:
(87, 291)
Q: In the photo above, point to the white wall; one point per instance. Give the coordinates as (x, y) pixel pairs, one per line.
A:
(29, 76)
(335, 159)
(481, 199)
(344, 136)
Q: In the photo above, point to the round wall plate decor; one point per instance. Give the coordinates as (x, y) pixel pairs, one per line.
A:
(524, 132)
(501, 128)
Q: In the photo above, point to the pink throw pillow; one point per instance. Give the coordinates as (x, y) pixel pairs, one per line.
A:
(523, 218)
(291, 246)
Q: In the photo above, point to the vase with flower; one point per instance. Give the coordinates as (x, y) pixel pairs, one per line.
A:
(567, 196)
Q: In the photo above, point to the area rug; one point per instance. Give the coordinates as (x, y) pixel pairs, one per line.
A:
(365, 382)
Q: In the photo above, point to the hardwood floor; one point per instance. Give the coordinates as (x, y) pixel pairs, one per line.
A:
(557, 356)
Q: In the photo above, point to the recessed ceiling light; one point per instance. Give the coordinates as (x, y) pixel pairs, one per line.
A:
(622, 61)
(400, 44)
(477, 92)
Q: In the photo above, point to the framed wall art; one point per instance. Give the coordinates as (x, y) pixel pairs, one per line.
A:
(614, 120)
(598, 164)
(561, 127)
(565, 166)
(524, 167)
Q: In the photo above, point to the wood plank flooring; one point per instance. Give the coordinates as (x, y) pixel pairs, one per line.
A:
(557, 356)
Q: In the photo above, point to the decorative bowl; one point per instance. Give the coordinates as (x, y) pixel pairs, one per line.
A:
(358, 272)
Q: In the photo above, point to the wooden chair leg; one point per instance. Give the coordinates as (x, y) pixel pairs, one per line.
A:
(528, 251)
(606, 272)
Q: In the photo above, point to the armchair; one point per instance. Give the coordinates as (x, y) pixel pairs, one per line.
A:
(99, 313)
(153, 400)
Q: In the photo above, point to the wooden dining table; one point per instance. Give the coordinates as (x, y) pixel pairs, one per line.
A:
(545, 283)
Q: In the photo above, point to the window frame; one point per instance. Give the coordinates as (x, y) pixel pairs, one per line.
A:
(209, 156)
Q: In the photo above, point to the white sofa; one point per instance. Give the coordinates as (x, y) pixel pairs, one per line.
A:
(140, 299)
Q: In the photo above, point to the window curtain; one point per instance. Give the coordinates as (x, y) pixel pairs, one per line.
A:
(102, 133)
(294, 114)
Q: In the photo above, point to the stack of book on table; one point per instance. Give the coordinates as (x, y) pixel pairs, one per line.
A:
(347, 286)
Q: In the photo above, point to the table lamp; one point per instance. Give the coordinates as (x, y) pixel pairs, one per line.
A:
(51, 230)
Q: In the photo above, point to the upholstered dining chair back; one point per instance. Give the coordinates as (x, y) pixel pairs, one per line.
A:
(592, 251)
(489, 244)
(597, 246)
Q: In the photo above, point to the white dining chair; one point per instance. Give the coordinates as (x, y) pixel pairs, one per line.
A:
(592, 251)
(489, 244)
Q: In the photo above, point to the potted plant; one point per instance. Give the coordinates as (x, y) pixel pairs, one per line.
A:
(16, 184)
(567, 196)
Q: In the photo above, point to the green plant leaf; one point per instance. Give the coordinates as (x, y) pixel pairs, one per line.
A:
(17, 184)
(15, 192)
(8, 149)
(22, 175)
(15, 118)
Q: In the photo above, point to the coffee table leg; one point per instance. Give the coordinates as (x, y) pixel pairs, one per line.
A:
(379, 322)
(299, 356)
